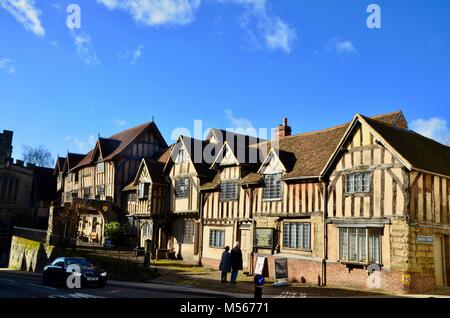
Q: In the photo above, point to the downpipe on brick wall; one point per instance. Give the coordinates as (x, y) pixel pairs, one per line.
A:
(325, 233)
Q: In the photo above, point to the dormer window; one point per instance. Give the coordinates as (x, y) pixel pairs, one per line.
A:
(272, 186)
(143, 190)
(100, 167)
(228, 190)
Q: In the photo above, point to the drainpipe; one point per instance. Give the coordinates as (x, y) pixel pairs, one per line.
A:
(325, 232)
(200, 230)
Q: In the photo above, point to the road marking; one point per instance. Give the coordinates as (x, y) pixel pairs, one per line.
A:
(76, 295)
(40, 286)
(7, 280)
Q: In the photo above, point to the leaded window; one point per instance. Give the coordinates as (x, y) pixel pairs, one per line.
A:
(189, 229)
(228, 190)
(272, 186)
(297, 235)
(357, 183)
(217, 238)
(360, 245)
(182, 188)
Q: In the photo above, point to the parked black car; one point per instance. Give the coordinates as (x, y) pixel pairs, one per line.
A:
(83, 271)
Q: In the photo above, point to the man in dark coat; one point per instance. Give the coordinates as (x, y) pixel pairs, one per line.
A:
(225, 264)
(236, 262)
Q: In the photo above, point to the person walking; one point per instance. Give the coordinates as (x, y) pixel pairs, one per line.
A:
(236, 262)
(225, 264)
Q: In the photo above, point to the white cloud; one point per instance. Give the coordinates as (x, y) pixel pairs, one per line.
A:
(120, 122)
(82, 144)
(132, 56)
(434, 128)
(258, 22)
(280, 36)
(57, 6)
(54, 43)
(239, 124)
(156, 12)
(7, 65)
(25, 13)
(261, 25)
(340, 46)
(85, 49)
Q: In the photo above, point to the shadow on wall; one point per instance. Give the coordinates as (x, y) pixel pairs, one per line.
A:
(30, 256)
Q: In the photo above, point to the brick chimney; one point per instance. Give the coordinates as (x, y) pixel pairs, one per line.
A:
(283, 130)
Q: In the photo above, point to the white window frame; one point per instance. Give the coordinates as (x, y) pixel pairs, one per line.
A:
(143, 190)
(216, 238)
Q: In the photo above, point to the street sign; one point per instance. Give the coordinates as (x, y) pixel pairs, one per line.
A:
(425, 239)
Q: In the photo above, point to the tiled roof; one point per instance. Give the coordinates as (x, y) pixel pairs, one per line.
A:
(305, 155)
(421, 152)
(113, 146)
(232, 137)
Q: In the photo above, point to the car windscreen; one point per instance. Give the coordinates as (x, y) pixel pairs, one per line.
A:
(79, 262)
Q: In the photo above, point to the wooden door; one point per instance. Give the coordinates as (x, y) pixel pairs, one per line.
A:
(245, 245)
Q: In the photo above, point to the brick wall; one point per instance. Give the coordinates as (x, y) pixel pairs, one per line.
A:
(211, 263)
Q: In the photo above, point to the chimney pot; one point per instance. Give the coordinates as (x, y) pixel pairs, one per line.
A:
(283, 130)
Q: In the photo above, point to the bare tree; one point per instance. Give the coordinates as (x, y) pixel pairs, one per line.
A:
(39, 156)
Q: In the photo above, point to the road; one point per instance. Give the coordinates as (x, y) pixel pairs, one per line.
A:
(15, 284)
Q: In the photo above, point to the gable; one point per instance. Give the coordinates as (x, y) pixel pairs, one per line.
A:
(272, 165)
(143, 174)
(362, 146)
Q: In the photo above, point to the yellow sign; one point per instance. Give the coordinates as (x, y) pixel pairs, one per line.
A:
(406, 280)
(105, 208)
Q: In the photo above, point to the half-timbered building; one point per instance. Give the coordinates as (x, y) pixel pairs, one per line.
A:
(188, 170)
(388, 207)
(227, 202)
(93, 183)
(147, 201)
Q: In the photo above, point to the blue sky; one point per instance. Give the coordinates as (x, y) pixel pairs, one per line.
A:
(230, 63)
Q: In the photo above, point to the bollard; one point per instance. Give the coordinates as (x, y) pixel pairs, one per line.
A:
(148, 247)
(259, 283)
